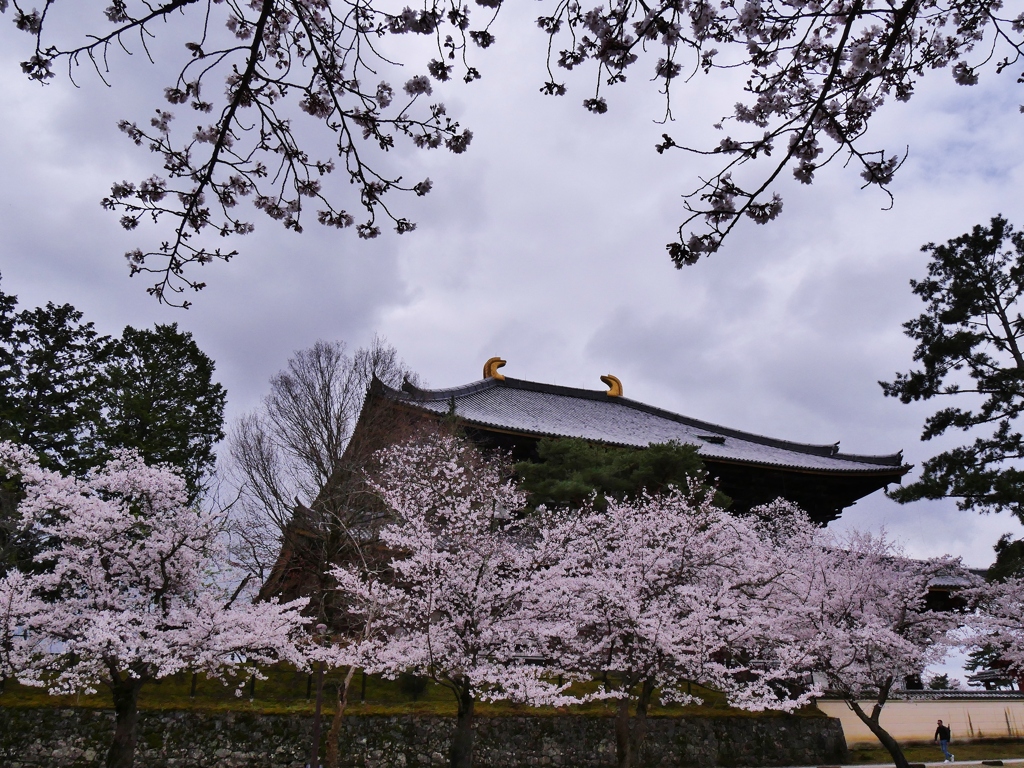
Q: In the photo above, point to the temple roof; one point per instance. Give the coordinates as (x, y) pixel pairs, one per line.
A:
(546, 410)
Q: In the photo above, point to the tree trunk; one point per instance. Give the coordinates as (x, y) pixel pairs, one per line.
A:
(629, 734)
(462, 741)
(126, 731)
(314, 751)
(623, 744)
(640, 719)
(332, 759)
(871, 721)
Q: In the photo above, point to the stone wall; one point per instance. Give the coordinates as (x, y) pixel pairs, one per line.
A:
(76, 738)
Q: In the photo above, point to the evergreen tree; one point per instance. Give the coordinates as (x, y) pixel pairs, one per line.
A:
(9, 543)
(51, 389)
(970, 342)
(159, 397)
(1009, 559)
(7, 306)
(569, 470)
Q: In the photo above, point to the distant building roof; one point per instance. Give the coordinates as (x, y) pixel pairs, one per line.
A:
(952, 581)
(547, 410)
(515, 415)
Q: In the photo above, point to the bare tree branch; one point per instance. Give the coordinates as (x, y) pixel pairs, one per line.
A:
(816, 72)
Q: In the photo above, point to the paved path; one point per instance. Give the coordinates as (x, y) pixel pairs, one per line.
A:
(1006, 761)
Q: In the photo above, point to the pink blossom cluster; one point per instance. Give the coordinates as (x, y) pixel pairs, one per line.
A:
(657, 591)
(816, 73)
(668, 589)
(458, 602)
(494, 600)
(128, 584)
(1000, 623)
(866, 618)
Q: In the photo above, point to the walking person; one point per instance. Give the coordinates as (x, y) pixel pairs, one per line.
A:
(942, 735)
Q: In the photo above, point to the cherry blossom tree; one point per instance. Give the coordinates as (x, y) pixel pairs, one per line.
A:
(257, 73)
(670, 588)
(865, 622)
(651, 593)
(128, 590)
(998, 624)
(369, 602)
(456, 603)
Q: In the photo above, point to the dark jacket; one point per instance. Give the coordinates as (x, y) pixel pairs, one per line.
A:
(942, 733)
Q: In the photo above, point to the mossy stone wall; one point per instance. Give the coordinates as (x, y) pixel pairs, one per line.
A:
(77, 738)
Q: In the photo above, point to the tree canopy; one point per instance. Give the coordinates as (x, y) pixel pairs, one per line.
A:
(568, 471)
(970, 346)
(491, 603)
(866, 623)
(259, 75)
(140, 591)
(159, 398)
(49, 391)
(458, 607)
(1009, 559)
(74, 396)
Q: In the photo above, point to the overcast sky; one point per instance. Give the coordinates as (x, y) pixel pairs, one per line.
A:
(544, 244)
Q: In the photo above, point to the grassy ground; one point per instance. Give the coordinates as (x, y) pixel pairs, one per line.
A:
(994, 749)
(288, 691)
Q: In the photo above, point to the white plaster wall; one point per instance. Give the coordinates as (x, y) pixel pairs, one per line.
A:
(915, 720)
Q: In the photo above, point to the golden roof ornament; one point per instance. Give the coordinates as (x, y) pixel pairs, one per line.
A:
(491, 369)
(614, 386)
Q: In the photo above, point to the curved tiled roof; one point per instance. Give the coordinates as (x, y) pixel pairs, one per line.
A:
(531, 408)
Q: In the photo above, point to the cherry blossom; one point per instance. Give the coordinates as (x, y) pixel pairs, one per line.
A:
(456, 604)
(496, 603)
(263, 78)
(128, 589)
(670, 589)
(999, 623)
(865, 623)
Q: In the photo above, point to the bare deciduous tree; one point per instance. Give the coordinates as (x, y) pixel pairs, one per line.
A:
(293, 461)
